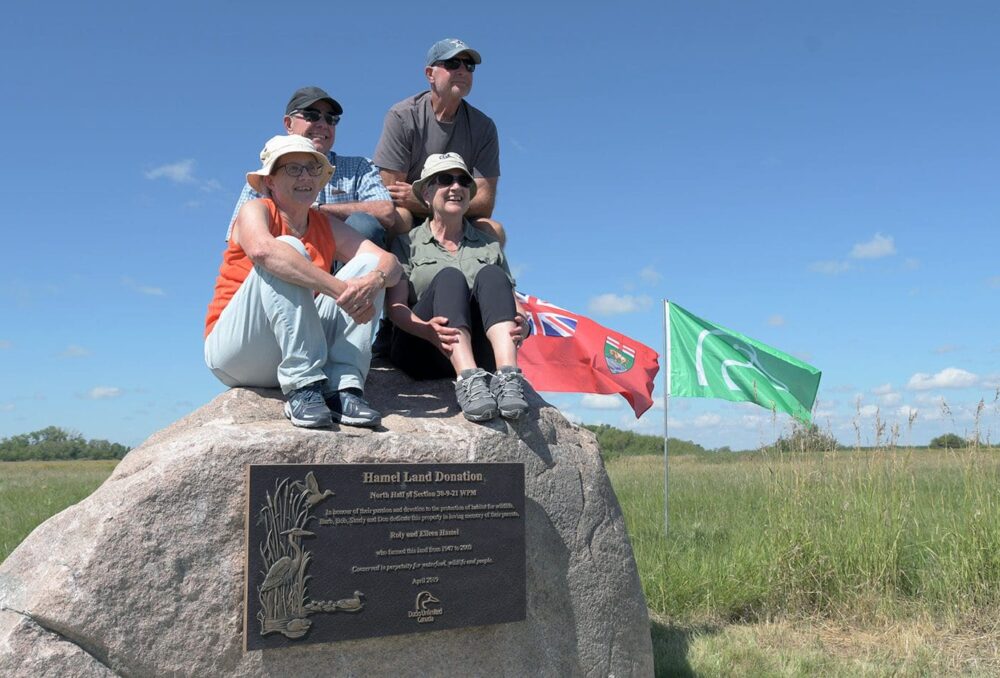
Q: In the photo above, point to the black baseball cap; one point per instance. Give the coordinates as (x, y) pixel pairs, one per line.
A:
(305, 97)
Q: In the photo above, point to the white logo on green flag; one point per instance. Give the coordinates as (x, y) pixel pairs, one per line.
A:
(706, 360)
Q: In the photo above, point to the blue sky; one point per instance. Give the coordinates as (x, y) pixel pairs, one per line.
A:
(822, 177)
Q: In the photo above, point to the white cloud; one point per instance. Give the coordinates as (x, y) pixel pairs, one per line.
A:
(650, 275)
(889, 399)
(868, 410)
(879, 246)
(905, 412)
(6, 407)
(5, 344)
(614, 304)
(596, 401)
(102, 392)
(74, 351)
(950, 377)
(911, 264)
(882, 390)
(143, 289)
(830, 267)
(180, 172)
(707, 420)
(776, 320)
(946, 348)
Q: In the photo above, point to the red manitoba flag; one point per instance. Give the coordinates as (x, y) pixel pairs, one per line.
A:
(568, 352)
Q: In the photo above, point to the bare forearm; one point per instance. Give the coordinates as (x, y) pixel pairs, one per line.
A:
(481, 206)
(283, 261)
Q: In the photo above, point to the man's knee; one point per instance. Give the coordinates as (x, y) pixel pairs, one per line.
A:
(404, 221)
(492, 227)
(368, 226)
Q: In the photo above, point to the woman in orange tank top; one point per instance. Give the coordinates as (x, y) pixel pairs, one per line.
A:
(278, 318)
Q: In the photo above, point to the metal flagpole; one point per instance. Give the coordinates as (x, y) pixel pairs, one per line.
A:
(666, 402)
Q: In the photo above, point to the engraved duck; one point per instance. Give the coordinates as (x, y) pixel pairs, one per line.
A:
(311, 490)
(284, 568)
(351, 604)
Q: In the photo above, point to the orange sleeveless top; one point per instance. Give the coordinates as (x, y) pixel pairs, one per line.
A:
(236, 265)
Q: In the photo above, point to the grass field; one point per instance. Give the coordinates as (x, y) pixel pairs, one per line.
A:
(883, 563)
(880, 563)
(31, 491)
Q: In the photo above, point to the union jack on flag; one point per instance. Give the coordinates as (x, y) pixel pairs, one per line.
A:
(546, 319)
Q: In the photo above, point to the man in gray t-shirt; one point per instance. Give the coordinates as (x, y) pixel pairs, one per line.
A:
(440, 121)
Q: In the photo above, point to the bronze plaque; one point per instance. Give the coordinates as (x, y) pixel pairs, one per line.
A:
(343, 551)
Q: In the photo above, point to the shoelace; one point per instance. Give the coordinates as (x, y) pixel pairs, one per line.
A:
(475, 386)
(510, 385)
(311, 396)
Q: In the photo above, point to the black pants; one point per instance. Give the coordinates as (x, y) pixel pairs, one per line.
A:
(490, 301)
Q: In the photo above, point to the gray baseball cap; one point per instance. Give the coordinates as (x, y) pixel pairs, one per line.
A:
(448, 48)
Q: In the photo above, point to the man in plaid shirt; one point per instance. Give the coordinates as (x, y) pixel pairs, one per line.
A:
(355, 193)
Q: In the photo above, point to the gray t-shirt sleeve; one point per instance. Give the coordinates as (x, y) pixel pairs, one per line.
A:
(393, 149)
(487, 163)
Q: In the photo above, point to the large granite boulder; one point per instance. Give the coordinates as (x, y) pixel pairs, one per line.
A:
(145, 576)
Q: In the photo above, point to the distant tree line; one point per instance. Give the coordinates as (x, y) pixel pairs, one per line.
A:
(615, 442)
(54, 443)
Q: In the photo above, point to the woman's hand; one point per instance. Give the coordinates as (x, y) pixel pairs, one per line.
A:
(356, 299)
(438, 333)
(519, 331)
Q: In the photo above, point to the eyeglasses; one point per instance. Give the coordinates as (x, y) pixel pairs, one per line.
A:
(446, 179)
(312, 115)
(453, 64)
(294, 169)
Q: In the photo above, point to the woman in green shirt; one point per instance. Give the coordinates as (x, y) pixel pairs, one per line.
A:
(455, 311)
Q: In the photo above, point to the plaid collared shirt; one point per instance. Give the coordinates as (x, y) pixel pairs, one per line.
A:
(355, 179)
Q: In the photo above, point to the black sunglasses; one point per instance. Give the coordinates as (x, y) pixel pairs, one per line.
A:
(312, 115)
(446, 179)
(453, 64)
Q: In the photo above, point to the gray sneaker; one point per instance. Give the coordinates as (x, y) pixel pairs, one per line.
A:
(305, 407)
(473, 392)
(348, 407)
(508, 388)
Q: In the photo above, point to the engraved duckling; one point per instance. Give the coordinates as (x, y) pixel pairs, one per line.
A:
(351, 604)
(311, 490)
(284, 568)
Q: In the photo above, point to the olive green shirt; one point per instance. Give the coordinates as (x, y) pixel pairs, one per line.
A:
(422, 257)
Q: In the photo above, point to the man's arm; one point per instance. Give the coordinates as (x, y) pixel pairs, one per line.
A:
(408, 211)
(365, 193)
(481, 206)
(380, 209)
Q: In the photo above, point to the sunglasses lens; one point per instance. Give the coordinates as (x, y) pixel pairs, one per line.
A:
(448, 179)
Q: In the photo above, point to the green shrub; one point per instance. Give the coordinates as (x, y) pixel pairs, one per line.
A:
(950, 441)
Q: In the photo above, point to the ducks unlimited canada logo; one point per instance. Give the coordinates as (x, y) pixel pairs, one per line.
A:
(618, 356)
(422, 610)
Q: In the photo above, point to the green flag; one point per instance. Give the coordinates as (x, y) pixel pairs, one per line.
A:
(705, 360)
